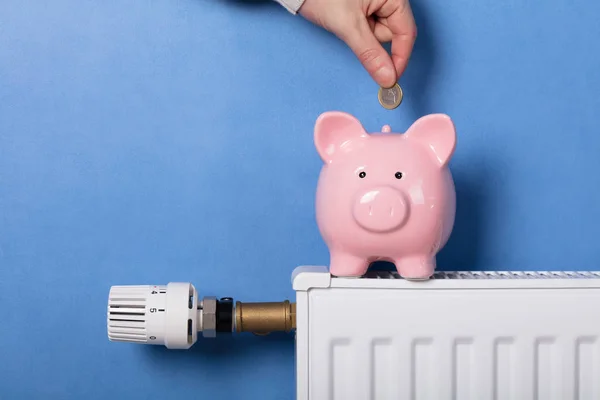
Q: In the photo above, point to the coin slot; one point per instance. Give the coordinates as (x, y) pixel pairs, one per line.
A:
(189, 331)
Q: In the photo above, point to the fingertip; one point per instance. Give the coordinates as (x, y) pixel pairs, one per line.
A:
(385, 77)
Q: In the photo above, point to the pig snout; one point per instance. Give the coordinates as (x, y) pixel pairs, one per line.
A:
(381, 209)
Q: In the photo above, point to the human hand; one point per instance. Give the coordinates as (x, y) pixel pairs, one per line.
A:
(363, 25)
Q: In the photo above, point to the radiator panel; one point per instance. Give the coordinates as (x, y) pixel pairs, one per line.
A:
(363, 341)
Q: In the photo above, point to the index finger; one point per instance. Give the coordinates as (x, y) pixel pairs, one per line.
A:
(399, 19)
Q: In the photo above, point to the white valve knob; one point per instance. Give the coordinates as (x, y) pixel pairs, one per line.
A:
(161, 314)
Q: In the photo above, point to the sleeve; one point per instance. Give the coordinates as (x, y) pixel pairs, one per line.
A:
(291, 5)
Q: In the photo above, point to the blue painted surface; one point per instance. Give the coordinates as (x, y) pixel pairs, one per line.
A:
(148, 142)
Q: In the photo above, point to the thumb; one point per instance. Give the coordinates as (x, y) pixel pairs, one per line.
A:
(370, 53)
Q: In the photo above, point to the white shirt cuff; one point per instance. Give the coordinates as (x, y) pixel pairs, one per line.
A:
(291, 5)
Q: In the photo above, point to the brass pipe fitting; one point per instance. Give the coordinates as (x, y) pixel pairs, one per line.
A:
(264, 318)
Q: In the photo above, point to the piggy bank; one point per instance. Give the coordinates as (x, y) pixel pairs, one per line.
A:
(384, 196)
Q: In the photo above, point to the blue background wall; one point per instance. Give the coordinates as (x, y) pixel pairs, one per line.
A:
(143, 142)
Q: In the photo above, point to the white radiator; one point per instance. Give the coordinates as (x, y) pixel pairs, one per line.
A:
(459, 336)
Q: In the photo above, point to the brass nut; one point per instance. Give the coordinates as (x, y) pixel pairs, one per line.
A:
(209, 317)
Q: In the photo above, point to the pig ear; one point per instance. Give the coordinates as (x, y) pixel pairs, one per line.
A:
(334, 132)
(437, 133)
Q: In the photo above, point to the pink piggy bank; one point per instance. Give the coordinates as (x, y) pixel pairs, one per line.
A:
(385, 196)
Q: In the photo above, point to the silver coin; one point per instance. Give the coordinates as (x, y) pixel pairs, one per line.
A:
(390, 98)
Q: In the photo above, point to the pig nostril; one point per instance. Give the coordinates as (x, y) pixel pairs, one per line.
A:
(370, 210)
(391, 211)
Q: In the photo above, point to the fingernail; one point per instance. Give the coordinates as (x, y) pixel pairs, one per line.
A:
(386, 76)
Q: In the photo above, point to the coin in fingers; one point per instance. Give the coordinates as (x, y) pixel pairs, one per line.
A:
(390, 98)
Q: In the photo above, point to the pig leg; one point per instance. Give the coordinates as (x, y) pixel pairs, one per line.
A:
(346, 265)
(416, 268)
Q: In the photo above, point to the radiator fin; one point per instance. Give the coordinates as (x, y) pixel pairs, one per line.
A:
(587, 368)
(341, 359)
(422, 369)
(504, 367)
(383, 370)
(462, 374)
(546, 369)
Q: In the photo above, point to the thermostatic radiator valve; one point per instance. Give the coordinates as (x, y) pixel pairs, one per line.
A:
(171, 315)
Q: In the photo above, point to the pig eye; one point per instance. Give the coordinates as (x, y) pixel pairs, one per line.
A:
(362, 174)
(398, 175)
